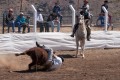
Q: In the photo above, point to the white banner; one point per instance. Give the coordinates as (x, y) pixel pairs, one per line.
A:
(17, 43)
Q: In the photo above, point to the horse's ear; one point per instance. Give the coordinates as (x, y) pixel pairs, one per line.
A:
(37, 44)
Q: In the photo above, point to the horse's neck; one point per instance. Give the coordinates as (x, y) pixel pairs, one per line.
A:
(82, 26)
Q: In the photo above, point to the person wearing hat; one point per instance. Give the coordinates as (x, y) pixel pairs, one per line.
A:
(10, 20)
(20, 21)
(85, 9)
(86, 14)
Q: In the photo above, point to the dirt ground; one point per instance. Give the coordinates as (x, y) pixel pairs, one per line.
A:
(99, 64)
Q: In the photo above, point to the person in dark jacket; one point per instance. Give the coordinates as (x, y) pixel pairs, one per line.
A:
(105, 5)
(102, 14)
(10, 20)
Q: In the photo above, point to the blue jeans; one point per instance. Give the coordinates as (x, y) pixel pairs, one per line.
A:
(19, 25)
(51, 23)
(50, 53)
(24, 28)
(60, 16)
(11, 23)
(101, 18)
(46, 24)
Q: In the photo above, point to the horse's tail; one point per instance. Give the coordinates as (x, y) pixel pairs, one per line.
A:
(20, 54)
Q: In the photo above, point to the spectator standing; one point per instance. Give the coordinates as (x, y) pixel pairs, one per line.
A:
(10, 20)
(20, 21)
(40, 20)
(102, 14)
(53, 18)
(105, 5)
(57, 10)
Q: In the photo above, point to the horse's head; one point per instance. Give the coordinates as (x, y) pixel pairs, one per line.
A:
(81, 19)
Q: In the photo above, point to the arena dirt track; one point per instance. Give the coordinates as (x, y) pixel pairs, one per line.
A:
(99, 64)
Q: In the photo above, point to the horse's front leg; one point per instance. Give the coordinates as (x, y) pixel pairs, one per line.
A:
(82, 45)
(77, 46)
(30, 65)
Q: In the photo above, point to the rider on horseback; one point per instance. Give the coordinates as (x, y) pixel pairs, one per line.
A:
(86, 14)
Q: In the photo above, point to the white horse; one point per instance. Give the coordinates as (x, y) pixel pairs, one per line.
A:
(81, 34)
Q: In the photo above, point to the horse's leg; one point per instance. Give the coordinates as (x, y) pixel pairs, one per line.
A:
(30, 65)
(82, 44)
(77, 46)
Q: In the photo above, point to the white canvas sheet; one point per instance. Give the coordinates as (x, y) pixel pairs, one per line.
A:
(17, 43)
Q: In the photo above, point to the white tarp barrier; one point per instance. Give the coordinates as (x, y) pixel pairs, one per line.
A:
(17, 43)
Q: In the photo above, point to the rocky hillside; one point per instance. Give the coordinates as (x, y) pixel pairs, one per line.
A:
(46, 5)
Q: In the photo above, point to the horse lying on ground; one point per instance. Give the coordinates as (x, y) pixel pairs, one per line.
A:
(38, 55)
(80, 35)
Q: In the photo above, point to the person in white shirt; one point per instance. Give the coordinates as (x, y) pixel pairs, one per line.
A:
(56, 63)
(40, 20)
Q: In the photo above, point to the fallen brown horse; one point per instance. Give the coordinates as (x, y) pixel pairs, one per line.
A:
(38, 55)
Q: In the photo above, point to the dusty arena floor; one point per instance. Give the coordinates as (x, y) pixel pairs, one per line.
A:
(99, 64)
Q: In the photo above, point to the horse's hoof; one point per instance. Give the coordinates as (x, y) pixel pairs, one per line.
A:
(16, 54)
(10, 71)
(83, 57)
(75, 56)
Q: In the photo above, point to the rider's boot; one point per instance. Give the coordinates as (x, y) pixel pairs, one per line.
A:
(88, 33)
(74, 29)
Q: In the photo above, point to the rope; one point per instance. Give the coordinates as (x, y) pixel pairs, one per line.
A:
(36, 61)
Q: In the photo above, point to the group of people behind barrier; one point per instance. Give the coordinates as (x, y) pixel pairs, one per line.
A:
(23, 21)
(53, 18)
(20, 21)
